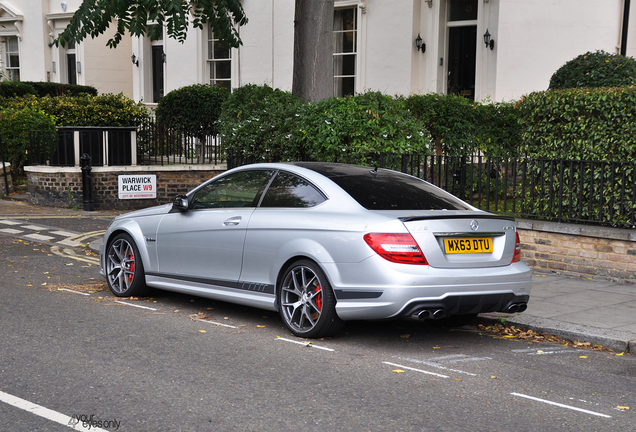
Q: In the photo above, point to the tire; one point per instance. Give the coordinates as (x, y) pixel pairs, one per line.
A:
(453, 321)
(124, 269)
(306, 301)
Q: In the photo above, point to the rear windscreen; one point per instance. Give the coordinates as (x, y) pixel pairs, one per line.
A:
(389, 190)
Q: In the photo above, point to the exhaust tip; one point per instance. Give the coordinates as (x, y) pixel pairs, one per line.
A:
(439, 313)
(423, 314)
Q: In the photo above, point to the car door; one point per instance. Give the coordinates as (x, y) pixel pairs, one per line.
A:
(205, 244)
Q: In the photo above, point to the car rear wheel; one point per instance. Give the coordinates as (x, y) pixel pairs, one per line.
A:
(124, 269)
(307, 303)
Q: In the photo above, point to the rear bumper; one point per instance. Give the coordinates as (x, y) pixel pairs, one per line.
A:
(391, 292)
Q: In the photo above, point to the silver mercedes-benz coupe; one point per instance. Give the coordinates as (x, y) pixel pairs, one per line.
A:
(322, 243)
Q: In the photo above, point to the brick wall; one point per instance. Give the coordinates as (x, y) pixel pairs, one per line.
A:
(583, 250)
(62, 187)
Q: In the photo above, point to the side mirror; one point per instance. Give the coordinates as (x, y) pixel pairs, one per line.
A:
(181, 203)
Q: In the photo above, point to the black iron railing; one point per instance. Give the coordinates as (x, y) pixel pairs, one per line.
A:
(597, 192)
(158, 145)
(107, 146)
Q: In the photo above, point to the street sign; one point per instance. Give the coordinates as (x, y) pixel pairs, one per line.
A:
(137, 186)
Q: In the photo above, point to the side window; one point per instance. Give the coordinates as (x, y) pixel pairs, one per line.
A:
(241, 189)
(288, 190)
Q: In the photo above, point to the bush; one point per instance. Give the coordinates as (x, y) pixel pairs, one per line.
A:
(355, 128)
(498, 132)
(17, 88)
(15, 126)
(85, 110)
(59, 89)
(10, 89)
(595, 69)
(193, 110)
(257, 123)
(451, 120)
(595, 124)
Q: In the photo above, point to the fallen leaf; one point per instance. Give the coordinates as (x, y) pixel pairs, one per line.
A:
(456, 379)
(620, 354)
(583, 357)
(540, 351)
(260, 326)
(398, 371)
(622, 407)
(405, 336)
(202, 331)
(493, 377)
(436, 347)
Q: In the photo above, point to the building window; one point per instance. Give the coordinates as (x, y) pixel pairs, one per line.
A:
(345, 48)
(11, 58)
(219, 62)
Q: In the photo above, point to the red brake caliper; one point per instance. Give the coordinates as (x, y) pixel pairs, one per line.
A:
(318, 298)
(132, 268)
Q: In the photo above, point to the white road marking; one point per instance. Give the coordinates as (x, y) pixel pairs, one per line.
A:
(455, 358)
(73, 291)
(218, 324)
(11, 231)
(64, 233)
(307, 344)
(10, 222)
(134, 305)
(46, 413)
(417, 370)
(39, 237)
(34, 227)
(561, 405)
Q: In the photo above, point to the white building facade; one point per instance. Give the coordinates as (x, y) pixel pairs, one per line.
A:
(375, 47)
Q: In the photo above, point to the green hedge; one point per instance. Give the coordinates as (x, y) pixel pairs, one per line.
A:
(598, 124)
(84, 110)
(15, 125)
(17, 88)
(193, 110)
(595, 69)
(355, 128)
(257, 124)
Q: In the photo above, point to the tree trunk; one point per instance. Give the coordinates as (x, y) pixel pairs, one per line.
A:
(313, 50)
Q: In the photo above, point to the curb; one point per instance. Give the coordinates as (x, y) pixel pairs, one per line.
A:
(615, 340)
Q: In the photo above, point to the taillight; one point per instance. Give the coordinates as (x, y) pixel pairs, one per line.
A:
(397, 248)
(517, 256)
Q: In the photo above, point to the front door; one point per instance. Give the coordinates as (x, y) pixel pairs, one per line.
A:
(462, 48)
(157, 72)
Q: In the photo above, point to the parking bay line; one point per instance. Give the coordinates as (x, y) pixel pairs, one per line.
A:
(561, 405)
(416, 370)
(307, 344)
(73, 291)
(134, 305)
(46, 413)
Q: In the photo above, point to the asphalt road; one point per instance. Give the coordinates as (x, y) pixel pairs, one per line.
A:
(179, 363)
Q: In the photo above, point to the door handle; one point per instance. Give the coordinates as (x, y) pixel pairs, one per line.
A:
(232, 221)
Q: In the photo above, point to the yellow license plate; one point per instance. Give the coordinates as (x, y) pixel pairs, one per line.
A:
(468, 245)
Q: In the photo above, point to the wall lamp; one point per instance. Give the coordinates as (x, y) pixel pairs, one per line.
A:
(421, 46)
(135, 60)
(488, 41)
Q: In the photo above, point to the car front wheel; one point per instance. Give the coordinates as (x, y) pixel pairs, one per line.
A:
(307, 303)
(124, 269)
